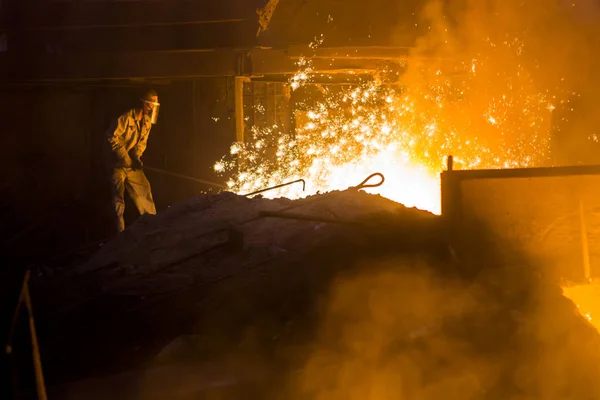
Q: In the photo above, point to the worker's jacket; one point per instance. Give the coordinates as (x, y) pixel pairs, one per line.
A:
(128, 137)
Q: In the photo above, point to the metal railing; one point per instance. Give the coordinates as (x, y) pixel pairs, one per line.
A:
(25, 299)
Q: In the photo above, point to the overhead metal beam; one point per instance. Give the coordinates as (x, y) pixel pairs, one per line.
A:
(177, 64)
(272, 62)
(133, 65)
(123, 13)
(338, 79)
(44, 28)
(158, 37)
(536, 172)
(350, 52)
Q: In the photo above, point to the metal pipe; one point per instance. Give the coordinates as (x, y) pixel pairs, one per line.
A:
(278, 186)
(35, 349)
(25, 298)
(189, 178)
(13, 325)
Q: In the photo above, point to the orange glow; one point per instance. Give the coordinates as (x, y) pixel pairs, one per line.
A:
(587, 299)
(486, 116)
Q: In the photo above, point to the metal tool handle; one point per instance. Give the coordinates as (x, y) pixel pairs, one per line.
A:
(189, 178)
(279, 186)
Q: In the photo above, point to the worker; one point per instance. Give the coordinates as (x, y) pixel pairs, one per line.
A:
(127, 139)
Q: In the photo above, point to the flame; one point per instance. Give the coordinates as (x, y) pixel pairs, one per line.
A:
(403, 125)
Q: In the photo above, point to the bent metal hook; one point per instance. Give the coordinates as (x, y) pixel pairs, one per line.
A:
(364, 183)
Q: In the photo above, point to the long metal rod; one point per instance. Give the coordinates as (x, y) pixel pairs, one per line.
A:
(279, 186)
(13, 324)
(189, 178)
(25, 298)
(37, 361)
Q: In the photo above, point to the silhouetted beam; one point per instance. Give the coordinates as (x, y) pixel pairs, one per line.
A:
(539, 172)
(133, 65)
(338, 79)
(350, 52)
(271, 62)
(125, 13)
(157, 37)
(130, 25)
(172, 64)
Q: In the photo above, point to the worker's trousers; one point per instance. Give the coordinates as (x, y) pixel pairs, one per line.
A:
(139, 190)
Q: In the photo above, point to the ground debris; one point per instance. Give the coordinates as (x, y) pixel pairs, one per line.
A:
(377, 297)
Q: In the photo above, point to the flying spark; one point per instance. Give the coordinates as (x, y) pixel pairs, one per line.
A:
(486, 116)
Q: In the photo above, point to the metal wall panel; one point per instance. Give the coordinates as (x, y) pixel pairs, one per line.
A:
(550, 215)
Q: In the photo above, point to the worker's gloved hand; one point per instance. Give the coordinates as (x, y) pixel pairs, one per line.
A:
(136, 164)
(124, 162)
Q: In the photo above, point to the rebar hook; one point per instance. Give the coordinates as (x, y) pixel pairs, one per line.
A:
(364, 184)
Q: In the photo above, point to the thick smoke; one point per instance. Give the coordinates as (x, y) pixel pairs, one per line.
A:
(400, 331)
(492, 75)
(510, 72)
(371, 341)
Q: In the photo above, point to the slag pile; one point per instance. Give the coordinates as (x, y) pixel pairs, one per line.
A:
(374, 301)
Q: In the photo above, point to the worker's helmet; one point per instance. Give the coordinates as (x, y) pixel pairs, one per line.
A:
(150, 97)
(149, 94)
